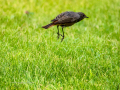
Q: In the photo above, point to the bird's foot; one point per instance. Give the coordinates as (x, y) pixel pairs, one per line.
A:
(62, 38)
(59, 35)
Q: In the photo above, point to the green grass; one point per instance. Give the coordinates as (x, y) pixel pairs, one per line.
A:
(32, 58)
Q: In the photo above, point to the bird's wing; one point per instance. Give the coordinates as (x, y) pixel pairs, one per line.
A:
(58, 17)
(63, 20)
(66, 17)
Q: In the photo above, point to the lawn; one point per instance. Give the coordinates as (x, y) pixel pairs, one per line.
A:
(32, 58)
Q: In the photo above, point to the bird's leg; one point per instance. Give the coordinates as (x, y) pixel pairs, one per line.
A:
(62, 35)
(58, 31)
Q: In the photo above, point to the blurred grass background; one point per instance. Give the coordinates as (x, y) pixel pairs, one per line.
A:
(33, 58)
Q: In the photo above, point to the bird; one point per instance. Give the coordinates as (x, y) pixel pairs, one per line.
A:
(65, 19)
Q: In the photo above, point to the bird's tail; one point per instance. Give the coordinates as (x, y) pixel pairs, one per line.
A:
(48, 26)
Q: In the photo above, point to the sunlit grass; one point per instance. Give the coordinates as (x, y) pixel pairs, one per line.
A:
(32, 58)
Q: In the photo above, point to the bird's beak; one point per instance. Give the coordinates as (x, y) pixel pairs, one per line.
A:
(86, 17)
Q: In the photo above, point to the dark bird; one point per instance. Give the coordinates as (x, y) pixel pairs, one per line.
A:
(66, 19)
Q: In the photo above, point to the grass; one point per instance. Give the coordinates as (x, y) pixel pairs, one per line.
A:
(33, 58)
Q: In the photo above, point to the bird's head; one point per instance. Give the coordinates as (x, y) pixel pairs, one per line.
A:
(82, 15)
